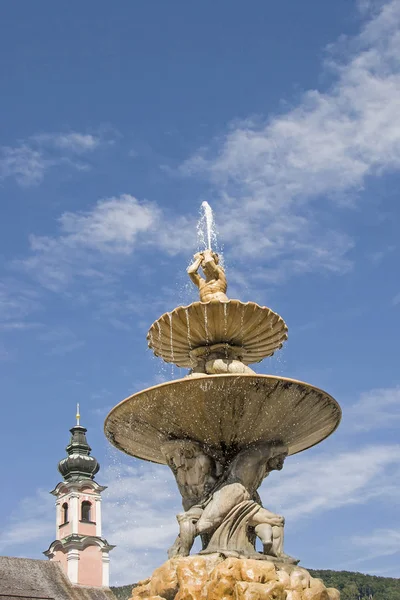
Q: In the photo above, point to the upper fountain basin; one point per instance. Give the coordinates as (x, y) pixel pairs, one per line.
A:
(256, 330)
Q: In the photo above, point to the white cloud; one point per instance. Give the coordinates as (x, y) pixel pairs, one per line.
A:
(112, 226)
(74, 141)
(139, 515)
(25, 164)
(376, 409)
(381, 542)
(396, 299)
(325, 482)
(29, 160)
(90, 242)
(278, 179)
(16, 304)
(30, 524)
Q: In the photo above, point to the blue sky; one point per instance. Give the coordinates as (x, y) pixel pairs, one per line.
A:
(116, 124)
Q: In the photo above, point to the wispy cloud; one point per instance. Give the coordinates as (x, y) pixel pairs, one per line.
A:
(89, 241)
(308, 486)
(140, 505)
(24, 163)
(380, 542)
(378, 408)
(396, 299)
(60, 341)
(17, 302)
(30, 524)
(284, 172)
(73, 141)
(29, 160)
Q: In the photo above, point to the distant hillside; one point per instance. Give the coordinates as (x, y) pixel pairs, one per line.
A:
(357, 586)
(124, 592)
(352, 586)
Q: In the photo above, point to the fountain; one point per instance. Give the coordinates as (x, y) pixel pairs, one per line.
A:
(222, 429)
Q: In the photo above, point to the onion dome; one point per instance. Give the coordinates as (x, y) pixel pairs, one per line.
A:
(78, 464)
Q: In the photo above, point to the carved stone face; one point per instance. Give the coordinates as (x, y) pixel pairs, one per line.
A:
(276, 463)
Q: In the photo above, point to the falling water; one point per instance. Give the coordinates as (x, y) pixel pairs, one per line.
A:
(171, 341)
(170, 336)
(206, 230)
(151, 339)
(188, 328)
(225, 305)
(206, 323)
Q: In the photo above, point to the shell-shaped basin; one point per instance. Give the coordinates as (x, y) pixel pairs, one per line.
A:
(258, 330)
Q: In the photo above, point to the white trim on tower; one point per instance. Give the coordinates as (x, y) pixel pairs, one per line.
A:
(74, 507)
(73, 565)
(106, 570)
(98, 517)
(58, 520)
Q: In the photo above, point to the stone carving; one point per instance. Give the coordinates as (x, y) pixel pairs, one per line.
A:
(217, 359)
(221, 501)
(246, 331)
(212, 577)
(214, 286)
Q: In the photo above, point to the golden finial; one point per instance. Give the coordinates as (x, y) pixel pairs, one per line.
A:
(78, 416)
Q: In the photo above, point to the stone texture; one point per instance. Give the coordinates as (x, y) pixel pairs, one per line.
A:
(213, 577)
(272, 590)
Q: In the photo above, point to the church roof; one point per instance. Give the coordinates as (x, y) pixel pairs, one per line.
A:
(30, 579)
(78, 465)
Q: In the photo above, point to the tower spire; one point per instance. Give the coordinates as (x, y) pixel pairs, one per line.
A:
(79, 464)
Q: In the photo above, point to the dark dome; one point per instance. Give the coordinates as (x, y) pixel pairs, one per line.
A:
(78, 464)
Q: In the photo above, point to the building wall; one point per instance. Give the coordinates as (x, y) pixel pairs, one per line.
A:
(61, 557)
(64, 530)
(91, 566)
(87, 528)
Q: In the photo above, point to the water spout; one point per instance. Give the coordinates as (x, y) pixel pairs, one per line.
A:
(206, 230)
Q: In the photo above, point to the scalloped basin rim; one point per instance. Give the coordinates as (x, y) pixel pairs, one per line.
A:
(235, 300)
(257, 329)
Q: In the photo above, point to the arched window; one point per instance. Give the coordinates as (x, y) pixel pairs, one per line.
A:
(64, 513)
(86, 511)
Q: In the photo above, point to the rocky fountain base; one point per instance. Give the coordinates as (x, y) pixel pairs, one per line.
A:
(215, 577)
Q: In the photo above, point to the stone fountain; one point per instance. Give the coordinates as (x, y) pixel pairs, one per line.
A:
(222, 429)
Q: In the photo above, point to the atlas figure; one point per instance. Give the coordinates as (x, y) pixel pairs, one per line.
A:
(214, 285)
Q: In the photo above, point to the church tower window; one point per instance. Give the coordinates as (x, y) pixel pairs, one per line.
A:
(86, 511)
(64, 513)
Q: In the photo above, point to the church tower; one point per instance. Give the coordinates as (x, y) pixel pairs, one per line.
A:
(79, 545)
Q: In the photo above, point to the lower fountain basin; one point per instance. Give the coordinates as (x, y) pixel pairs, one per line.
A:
(222, 412)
